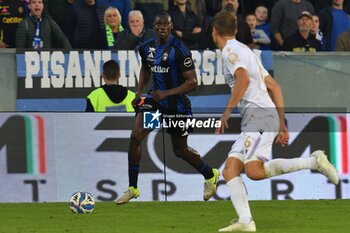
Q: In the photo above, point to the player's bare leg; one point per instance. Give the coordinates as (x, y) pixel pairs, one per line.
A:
(134, 158)
(191, 156)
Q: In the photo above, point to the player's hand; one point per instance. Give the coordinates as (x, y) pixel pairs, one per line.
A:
(283, 136)
(135, 102)
(224, 123)
(158, 95)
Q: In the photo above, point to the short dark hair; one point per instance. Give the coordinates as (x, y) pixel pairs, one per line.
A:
(111, 70)
(162, 14)
(248, 14)
(225, 23)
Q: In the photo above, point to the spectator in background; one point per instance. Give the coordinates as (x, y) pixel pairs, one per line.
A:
(85, 26)
(319, 4)
(113, 26)
(40, 31)
(261, 13)
(213, 7)
(303, 40)
(26, 3)
(197, 6)
(137, 33)
(333, 21)
(243, 30)
(284, 18)
(57, 10)
(12, 12)
(259, 36)
(200, 10)
(186, 24)
(343, 42)
(123, 6)
(149, 9)
(110, 97)
(315, 30)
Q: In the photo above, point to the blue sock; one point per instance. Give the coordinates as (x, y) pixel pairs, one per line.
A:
(205, 170)
(133, 175)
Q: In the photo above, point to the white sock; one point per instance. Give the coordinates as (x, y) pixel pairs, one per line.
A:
(277, 167)
(239, 199)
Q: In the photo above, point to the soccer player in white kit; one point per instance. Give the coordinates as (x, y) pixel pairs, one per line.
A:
(260, 101)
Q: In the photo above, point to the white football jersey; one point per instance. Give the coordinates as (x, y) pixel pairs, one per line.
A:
(256, 100)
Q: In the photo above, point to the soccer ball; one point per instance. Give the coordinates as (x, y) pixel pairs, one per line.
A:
(81, 203)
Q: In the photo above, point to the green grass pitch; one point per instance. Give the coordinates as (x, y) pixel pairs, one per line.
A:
(327, 216)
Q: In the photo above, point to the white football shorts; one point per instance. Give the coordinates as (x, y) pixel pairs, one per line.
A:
(256, 145)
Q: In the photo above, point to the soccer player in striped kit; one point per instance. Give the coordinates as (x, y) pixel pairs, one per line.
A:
(170, 64)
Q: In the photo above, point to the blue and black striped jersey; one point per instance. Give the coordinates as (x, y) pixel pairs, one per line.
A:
(167, 62)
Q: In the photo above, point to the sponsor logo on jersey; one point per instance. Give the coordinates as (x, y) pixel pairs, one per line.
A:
(159, 69)
(188, 62)
(11, 20)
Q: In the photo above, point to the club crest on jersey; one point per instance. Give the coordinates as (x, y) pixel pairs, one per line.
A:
(165, 56)
(188, 62)
(233, 57)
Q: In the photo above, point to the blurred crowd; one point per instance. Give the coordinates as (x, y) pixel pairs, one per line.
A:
(282, 25)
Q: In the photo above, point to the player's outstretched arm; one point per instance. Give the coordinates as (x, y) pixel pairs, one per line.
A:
(277, 97)
(190, 84)
(237, 92)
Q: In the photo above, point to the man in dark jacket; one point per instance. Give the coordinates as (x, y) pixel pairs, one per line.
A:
(136, 34)
(284, 17)
(85, 24)
(187, 25)
(303, 40)
(39, 31)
